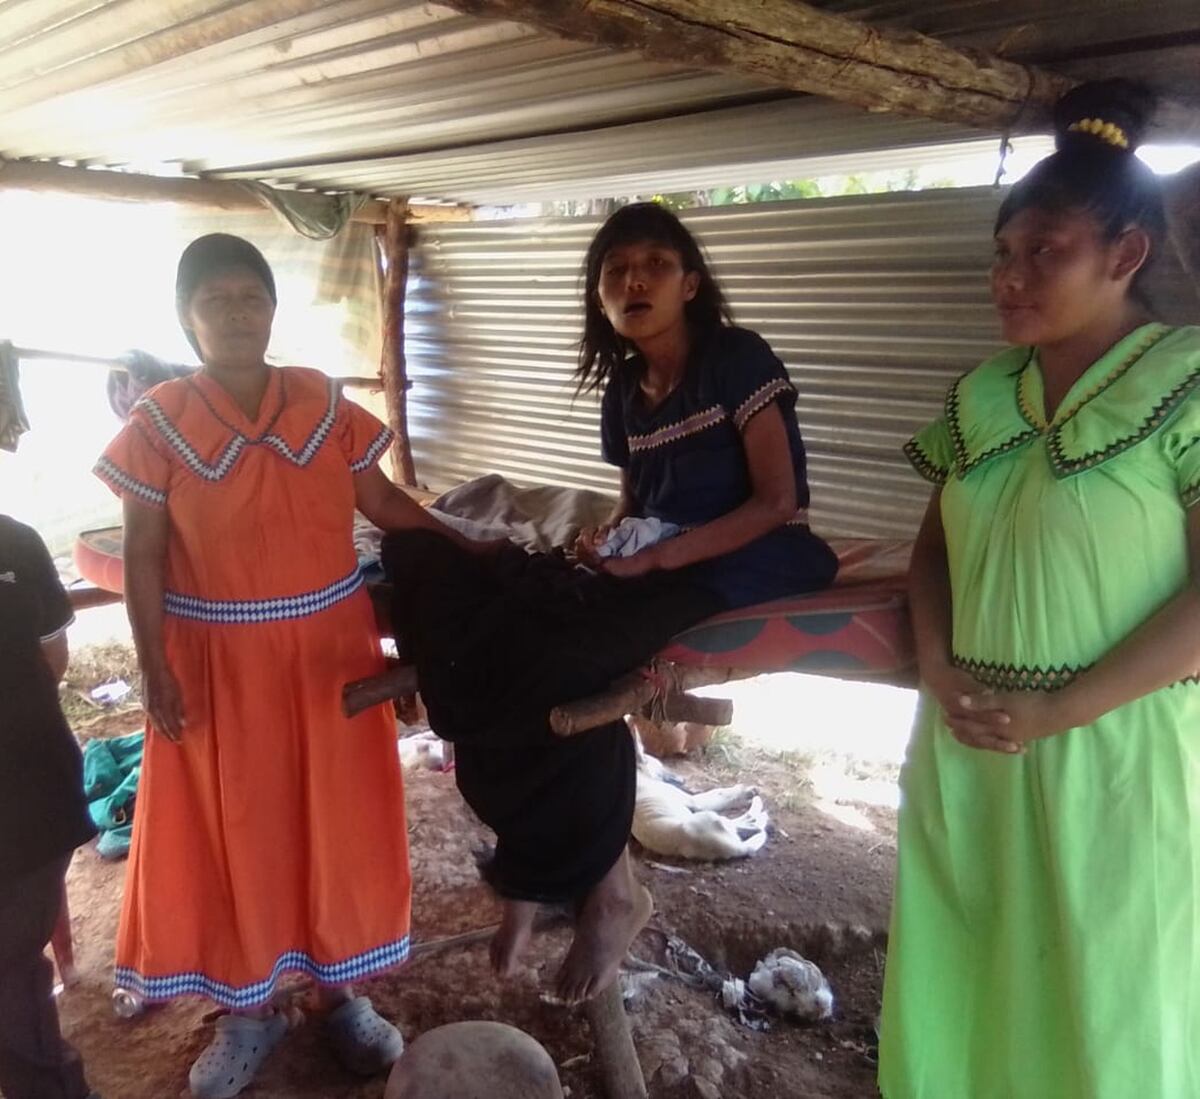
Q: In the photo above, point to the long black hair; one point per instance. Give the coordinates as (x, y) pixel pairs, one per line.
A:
(1097, 129)
(602, 350)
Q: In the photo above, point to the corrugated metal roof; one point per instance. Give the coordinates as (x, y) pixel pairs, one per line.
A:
(793, 138)
(874, 303)
(145, 82)
(412, 98)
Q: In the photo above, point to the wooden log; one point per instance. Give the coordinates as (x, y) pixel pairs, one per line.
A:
(393, 367)
(631, 692)
(619, 1066)
(681, 706)
(397, 681)
(213, 194)
(33, 354)
(792, 44)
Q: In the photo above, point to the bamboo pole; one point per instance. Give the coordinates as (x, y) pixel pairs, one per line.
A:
(213, 194)
(394, 367)
(34, 354)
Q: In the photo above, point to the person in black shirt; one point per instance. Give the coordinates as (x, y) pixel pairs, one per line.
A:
(43, 817)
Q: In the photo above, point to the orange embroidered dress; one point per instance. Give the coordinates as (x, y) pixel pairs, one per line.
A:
(272, 839)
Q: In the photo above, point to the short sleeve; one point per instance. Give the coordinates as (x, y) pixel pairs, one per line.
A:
(134, 466)
(1181, 446)
(752, 377)
(931, 452)
(614, 439)
(52, 609)
(362, 437)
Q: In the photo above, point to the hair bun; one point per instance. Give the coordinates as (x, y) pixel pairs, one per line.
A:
(1111, 114)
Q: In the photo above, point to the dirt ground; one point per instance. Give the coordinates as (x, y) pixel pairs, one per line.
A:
(821, 886)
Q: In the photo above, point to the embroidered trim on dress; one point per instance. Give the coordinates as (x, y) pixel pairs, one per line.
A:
(758, 400)
(251, 995)
(109, 472)
(1147, 342)
(378, 445)
(1016, 677)
(220, 469)
(240, 611)
(1030, 414)
(924, 464)
(965, 465)
(698, 422)
(1065, 467)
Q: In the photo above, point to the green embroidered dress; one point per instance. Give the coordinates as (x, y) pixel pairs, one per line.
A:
(1045, 935)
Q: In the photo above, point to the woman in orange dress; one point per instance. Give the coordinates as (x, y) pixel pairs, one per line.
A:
(270, 835)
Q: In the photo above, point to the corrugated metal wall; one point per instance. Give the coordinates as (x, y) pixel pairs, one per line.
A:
(875, 303)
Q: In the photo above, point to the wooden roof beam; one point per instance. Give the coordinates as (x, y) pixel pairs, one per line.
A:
(791, 44)
(215, 194)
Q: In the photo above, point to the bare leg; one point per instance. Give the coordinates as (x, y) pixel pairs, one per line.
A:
(330, 997)
(609, 920)
(512, 937)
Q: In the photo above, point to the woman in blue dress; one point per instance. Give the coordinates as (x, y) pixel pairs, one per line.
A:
(699, 415)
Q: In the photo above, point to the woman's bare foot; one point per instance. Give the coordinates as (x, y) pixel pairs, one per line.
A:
(512, 937)
(609, 920)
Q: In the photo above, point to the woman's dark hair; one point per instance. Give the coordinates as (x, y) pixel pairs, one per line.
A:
(214, 254)
(1097, 129)
(602, 350)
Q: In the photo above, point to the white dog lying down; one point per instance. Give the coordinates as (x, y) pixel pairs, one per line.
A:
(670, 821)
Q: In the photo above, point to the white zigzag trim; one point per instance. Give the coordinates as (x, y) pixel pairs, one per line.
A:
(378, 445)
(219, 469)
(690, 425)
(109, 471)
(758, 400)
(282, 608)
(351, 969)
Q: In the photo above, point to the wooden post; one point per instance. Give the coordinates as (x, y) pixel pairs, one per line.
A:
(393, 367)
(615, 1052)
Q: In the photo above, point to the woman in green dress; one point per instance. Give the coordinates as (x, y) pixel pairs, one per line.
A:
(1045, 937)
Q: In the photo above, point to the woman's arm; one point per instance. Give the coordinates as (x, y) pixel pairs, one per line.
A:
(145, 557)
(391, 508)
(1160, 652)
(56, 652)
(772, 503)
(931, 611)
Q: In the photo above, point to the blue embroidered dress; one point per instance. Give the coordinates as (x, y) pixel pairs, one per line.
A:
(685, 462)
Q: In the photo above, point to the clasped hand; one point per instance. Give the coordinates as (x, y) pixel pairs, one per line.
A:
(995, 721)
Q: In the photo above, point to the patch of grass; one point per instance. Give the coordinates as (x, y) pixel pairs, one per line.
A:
(89, 668)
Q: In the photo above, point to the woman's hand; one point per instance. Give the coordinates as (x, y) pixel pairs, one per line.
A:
(588, 542)
(641, 563)
(163, 701)
(966, 708)
(1021, 716)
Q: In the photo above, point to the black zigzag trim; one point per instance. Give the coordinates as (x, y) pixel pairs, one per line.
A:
(925, 465)
(1016, 677)
(1066, 467)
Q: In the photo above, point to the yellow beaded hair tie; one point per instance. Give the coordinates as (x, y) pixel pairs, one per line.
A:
(1108, 132)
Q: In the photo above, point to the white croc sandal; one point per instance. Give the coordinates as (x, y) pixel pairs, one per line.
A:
(364, 1041)
(238, 1049)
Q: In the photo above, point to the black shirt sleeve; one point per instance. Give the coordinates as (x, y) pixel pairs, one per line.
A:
(51, 609)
